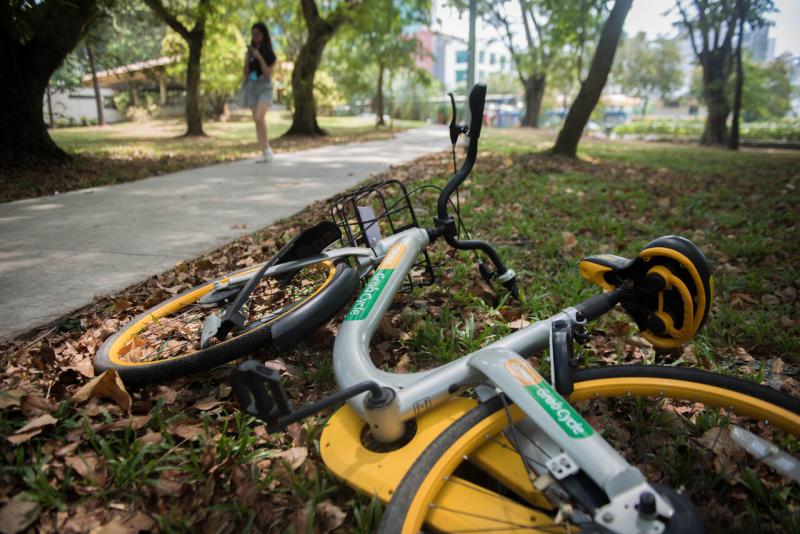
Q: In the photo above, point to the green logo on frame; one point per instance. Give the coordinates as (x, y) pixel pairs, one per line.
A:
(560, 411)
(369, 295)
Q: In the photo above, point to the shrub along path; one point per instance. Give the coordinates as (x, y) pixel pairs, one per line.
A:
(181, 457)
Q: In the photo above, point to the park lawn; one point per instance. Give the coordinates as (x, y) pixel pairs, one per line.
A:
(187, 458)
(130, 151)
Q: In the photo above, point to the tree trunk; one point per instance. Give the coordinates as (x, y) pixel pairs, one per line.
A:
(25, 71)
(645, 100)
(592, 86)
(98, 97)
(50, 108)
(714, 78)
(194, 111)
(379, 98)
(733, 142)
(304, 118)
(534, 93)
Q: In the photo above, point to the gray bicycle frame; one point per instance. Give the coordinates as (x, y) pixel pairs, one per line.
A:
(489, 366)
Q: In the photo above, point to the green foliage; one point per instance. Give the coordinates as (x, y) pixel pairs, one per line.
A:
(374, 48)
(221, 64)
(784, 130)
(327, 93)
(644, 68)
(767, 91)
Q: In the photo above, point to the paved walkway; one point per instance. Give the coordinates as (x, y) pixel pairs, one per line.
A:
(57, 252)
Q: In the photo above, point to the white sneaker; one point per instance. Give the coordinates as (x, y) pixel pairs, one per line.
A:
(266, 157)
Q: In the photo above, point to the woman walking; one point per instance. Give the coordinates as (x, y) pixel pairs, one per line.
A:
(256, 92)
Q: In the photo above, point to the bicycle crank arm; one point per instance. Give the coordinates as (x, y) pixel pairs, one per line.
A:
(260, 394)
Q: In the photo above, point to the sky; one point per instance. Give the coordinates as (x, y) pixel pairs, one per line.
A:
(646, 16)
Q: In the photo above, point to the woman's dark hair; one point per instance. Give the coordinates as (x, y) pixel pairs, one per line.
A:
(266, 44)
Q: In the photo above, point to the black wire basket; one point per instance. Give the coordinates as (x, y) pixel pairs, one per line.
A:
(374, 211)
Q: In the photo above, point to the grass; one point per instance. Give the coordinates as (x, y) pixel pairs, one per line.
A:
(128, 151)
(740, 208)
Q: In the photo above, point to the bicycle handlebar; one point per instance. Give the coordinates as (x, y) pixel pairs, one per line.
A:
(477, 100)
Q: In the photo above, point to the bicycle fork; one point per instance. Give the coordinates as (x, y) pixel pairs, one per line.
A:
(633, 505)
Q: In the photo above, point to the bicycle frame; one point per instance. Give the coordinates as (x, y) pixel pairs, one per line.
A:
(500, 365)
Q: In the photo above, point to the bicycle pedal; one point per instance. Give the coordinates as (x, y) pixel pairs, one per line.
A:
(260, 393)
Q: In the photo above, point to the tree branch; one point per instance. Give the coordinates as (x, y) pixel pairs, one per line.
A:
(689, 27)
(158, 7)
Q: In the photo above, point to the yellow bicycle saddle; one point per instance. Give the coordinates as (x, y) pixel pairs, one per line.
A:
(667, 288)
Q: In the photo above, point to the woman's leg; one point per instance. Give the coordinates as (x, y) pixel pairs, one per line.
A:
(259, 116)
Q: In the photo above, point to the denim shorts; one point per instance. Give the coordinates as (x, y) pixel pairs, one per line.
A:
(254, 92)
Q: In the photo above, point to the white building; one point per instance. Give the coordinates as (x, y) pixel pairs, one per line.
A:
(451, 57)
(78, 106)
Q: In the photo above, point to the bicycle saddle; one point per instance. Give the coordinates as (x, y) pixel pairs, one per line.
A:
(667, 288)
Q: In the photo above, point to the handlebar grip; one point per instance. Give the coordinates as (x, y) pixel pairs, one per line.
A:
(477, 99)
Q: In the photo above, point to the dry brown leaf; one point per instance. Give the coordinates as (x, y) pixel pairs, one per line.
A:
(329, 515)
(18, 514)
(140, 522)
(727, 454)
(208, 403)
(11, 398)
(34, 427)
(67, 450)
(137, 422)
(115, 526)
(150, 437)
(569, 240)
(107, 385)
(187, 431)
(294, 456)
(791, 386)
(168, 394)
(88, 466)
(404, 364)
(519, 324)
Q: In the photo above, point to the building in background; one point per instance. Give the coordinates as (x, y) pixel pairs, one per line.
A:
(446, 57)
(760, 45)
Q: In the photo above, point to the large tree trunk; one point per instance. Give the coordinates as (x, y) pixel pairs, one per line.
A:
(714, 78)
(379, 98)
(733, 142)
(194, 111)
(27, 63)
(592, 86)
(304, 117)
(534, 93)
(98, 96)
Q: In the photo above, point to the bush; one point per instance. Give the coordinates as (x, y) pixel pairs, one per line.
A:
(140, 113)
(781, 130)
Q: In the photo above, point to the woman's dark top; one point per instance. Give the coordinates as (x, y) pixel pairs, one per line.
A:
(267, 54)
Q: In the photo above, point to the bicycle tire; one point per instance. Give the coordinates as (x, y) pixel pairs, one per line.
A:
(287, 329)
(428, 479)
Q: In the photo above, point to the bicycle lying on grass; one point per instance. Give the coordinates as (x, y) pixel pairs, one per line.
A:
(485, 442)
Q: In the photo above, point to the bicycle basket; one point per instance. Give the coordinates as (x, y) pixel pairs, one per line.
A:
(374, 211)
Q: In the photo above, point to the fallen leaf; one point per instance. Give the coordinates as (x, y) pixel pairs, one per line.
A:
(167, 394)
(727, 454)
(294, 456)
(34, 427)
(150, 437)
(18, 514)
(107, 385)
(791, 386)
(140, 522)
(208, 403)
(519, 324)
(404, 364)
(114, 527)
(569, 240)
(11, 398)
(88, 466)
(329, 515)
(187, 431)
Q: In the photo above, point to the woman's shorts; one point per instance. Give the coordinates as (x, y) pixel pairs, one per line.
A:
(255, 92)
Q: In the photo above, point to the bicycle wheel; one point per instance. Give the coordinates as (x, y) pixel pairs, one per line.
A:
(164, 341)
(668, 421)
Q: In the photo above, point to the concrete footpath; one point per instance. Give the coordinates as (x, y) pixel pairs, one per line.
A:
(57, 252)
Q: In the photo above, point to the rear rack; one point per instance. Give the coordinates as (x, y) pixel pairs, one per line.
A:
(375, 211)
